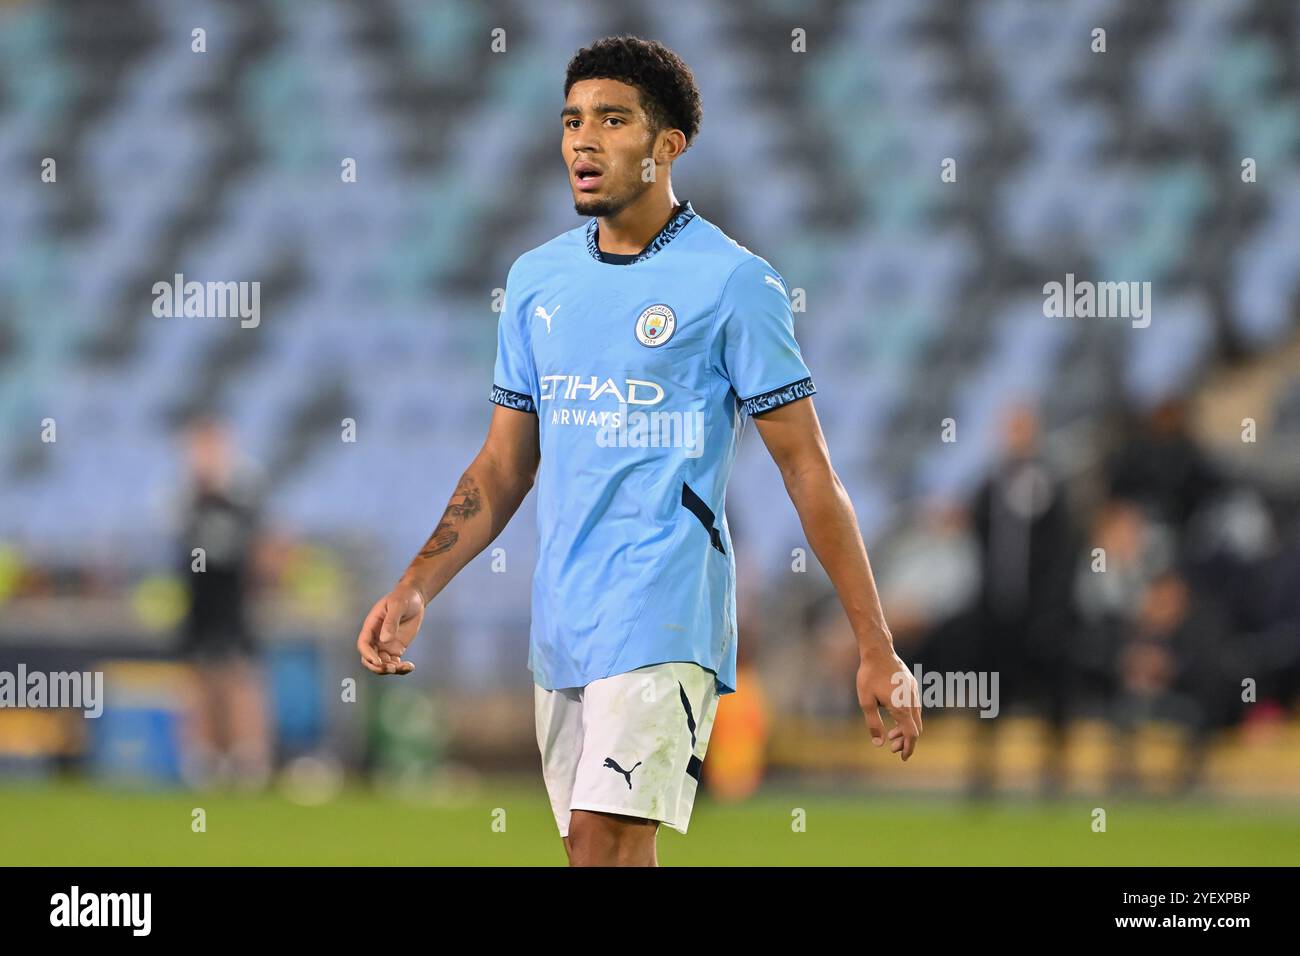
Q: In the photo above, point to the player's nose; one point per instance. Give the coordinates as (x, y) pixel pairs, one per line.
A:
(584, 139)
(583, 146)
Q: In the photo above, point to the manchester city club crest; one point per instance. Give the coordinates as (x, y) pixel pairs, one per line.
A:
(655, 326)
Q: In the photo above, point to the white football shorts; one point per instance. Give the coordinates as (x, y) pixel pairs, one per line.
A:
(631, 744)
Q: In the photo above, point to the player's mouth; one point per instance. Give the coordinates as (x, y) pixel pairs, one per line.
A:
(587, 177)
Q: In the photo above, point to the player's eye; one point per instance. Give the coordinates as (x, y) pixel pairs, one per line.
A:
(613, 119)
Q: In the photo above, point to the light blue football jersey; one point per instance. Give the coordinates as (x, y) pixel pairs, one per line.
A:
(642, 375)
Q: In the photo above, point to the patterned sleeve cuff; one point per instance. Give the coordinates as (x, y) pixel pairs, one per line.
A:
(515, 400)
(778, 397)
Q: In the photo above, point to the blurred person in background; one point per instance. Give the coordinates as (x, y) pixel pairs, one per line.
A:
(929, 579)
(228, 734)
(1280, 640)
(1161, 466)
(1248, 564)
(1230, 544)
(1027, 556)
(1170, 669)
(1124, 553)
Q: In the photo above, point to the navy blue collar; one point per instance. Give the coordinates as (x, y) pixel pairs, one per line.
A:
(676, 223)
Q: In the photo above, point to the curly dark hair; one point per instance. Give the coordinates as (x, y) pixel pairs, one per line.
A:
(665, 82)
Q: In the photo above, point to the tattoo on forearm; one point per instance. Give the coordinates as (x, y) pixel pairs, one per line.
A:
(466, 502)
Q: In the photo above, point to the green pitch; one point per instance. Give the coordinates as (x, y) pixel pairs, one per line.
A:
(81, 826)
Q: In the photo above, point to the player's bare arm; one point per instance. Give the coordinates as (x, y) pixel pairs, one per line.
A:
(793, 436)
(486, 498)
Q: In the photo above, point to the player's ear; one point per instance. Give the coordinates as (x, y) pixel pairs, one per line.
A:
(676, 143)
(668, 145)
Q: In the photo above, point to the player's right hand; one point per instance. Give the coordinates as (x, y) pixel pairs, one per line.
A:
(389, 629)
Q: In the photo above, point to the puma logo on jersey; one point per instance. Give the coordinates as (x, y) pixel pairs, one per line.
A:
(540, 313)
(773, 280)
(612, 765)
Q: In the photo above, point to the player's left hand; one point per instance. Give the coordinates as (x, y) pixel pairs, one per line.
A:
(885, 681)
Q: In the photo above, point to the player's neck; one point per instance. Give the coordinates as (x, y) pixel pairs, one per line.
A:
(628, 232)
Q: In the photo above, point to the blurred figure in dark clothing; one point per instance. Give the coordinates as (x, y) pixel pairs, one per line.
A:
(1163, 468)
(1027, 555)
(1279, 651)
(1172, 669)
(1250, 565)
(227, 735)
(1230, 546)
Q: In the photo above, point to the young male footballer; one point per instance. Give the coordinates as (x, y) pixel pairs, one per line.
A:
(630, 352)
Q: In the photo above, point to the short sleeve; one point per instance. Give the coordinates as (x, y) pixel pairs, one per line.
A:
(760, 356)
(513, 375)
